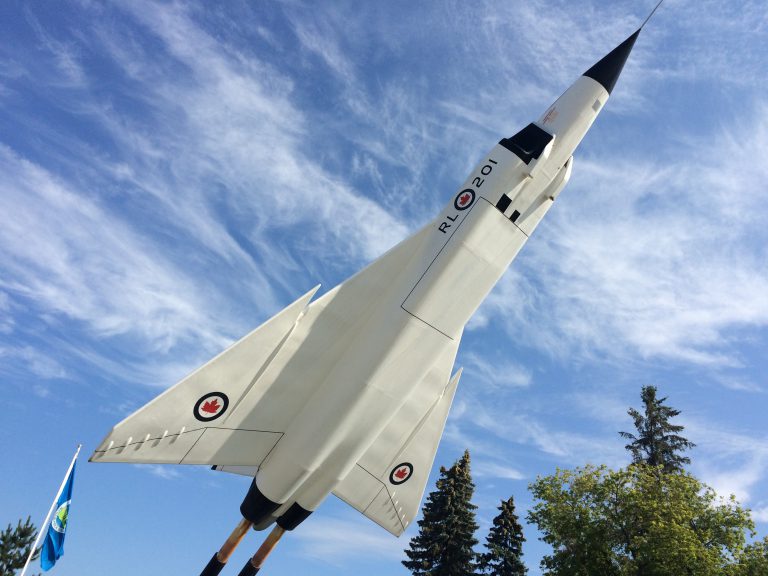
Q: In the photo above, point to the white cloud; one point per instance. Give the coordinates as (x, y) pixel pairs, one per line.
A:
(244, 128)
(41, 391)
(704, 24)
(600, 405)
(140, 241)
(731, 462)
(738, 383)
(6, 317)
(519, 423)
(760, 514)
(73, 257)
(321, 37)
(69, 71)
(33, 362)
(166, 472)
(484, 468)
(339, 540)
(737, 480)
(496, 374)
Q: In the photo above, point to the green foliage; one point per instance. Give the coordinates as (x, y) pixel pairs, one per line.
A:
(15, 544)
(504, 544)
(636, 521)
(445, 542)
(658, 442)
(753, 561)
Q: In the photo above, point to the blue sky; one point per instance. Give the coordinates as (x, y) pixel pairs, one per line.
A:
(172, 174)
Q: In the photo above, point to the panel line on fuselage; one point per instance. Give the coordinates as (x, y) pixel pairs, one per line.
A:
(427, 270)
(437, 256)
(425, 322)
(439, 252)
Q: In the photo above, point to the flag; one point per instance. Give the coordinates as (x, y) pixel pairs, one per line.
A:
(53, 546)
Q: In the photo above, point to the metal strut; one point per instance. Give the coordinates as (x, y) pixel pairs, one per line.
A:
(254, 564)
(219, 560)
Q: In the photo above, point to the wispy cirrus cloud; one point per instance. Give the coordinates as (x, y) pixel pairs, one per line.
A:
(32, 361)
(760, 514)
(68, 69)
(497, 374)
(519, 426)
(196, 176)
(489, 469)
(68, 254)
(337, 540)
(732, 462)
(161, 471)
(6, 317)
(702, 56)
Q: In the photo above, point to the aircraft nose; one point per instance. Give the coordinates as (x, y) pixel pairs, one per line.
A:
(608, 69)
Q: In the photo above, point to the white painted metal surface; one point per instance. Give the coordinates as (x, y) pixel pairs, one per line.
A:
(349, 394)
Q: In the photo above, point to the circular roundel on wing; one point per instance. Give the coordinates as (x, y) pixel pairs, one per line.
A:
(211, 406)
(401, 473)
(464, 199)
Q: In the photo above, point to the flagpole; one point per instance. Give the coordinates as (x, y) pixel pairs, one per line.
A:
(43, 526)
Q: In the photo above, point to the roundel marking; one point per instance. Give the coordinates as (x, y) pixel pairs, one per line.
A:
(210, 406)
(401, 473)
(464, 199)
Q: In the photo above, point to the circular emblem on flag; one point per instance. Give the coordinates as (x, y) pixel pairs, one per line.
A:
(401, 473)
(464, 199)
(211, 406)
(59, 522)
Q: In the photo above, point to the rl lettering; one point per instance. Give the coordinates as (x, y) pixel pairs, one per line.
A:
(444, 225)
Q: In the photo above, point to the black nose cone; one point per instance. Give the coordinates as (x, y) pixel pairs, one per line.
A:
(607, 70)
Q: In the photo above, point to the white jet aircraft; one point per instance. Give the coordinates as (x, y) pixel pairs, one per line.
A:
(348, 394)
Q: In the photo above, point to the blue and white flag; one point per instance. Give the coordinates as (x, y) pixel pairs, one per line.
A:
(53, 546)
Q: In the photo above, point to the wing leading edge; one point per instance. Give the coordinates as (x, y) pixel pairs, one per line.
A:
(182, 425)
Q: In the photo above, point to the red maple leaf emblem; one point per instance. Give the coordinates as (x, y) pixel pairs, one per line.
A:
(401, 473)
(464, 199)
(211, 406)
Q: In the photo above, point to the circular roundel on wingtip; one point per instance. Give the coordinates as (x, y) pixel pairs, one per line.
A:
(211, 406)
(401, 473)
(464, 199)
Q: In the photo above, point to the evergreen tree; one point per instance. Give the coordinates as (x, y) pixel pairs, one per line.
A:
(446, 538)
(658, 442)
(504, 544)
(15, 544)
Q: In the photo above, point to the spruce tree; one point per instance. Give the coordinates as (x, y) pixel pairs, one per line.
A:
(15, 544)
(446, 538)
(504, 544)
(658, 442)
